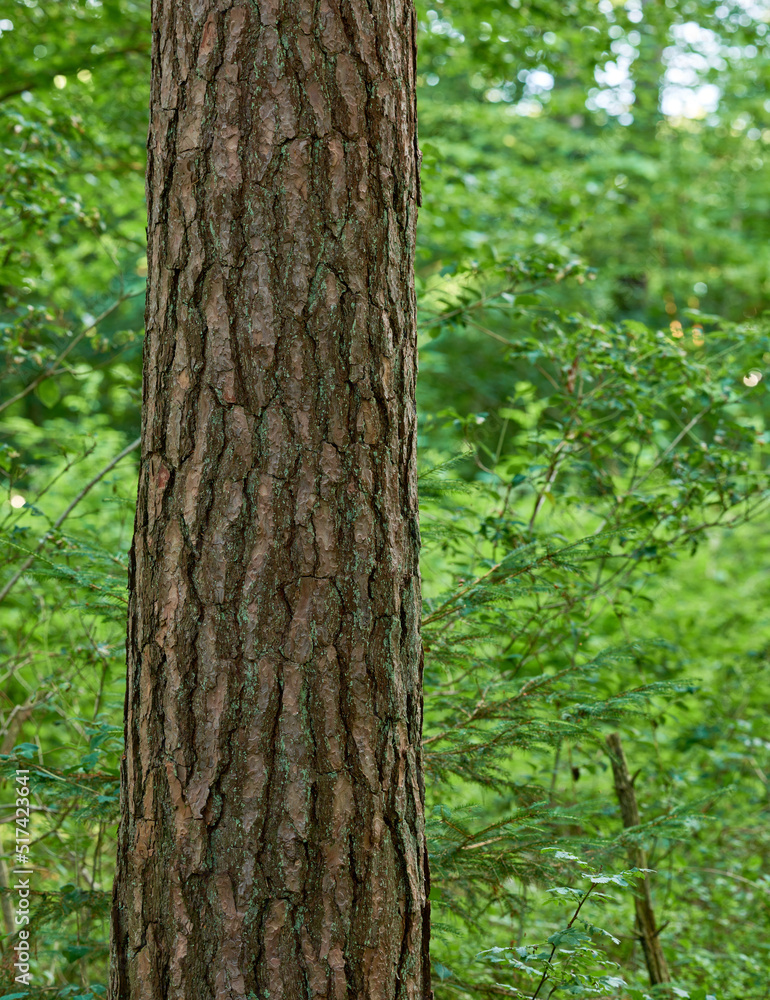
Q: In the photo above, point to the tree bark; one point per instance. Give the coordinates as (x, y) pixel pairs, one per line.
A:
(272, 839)
(647, 929)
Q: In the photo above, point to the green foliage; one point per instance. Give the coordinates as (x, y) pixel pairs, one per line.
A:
(592, 274)
(615, 453)
(569, 962)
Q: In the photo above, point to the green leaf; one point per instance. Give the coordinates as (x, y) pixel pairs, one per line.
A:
(76, 951)
(441, 970)
(48, 392)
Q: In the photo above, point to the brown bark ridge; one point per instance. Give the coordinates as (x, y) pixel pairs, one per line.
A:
(647, 929)
(272, 836)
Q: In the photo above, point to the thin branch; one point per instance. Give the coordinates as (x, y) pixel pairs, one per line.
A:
(685, 430)
(553, 949)
(63, 517)
(51, 369)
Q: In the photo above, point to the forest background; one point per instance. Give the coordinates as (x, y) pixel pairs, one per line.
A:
(593, 273)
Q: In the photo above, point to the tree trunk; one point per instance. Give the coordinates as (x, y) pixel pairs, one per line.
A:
(272, 839)
(646, 926)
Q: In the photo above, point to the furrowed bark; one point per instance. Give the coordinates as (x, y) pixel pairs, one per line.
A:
(647, 929)
(272, 838)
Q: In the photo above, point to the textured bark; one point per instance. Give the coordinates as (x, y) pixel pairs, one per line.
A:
(272, 838)
(646, 927)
